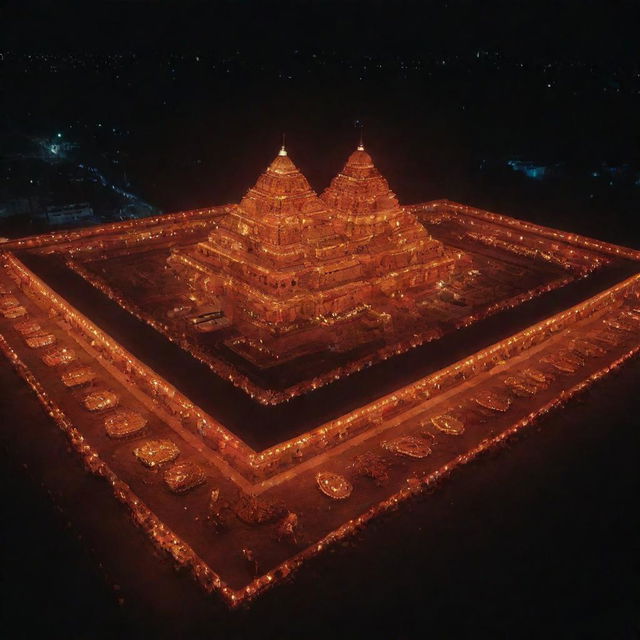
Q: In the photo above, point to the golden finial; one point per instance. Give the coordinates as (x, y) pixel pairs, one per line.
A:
(361, 145)
(283, 151)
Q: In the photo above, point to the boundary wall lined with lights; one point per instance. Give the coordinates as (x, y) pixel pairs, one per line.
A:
(64, 241)
(390, 407)
(116, 238)
(273, 397)
(167, 225)
(136, 372)
(257, 466)
(426, 209)
(587, 262)
(182, 553)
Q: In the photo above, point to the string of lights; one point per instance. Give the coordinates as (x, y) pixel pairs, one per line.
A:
(258, 466)
(184, 555)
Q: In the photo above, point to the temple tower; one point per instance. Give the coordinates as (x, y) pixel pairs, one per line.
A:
(296, 273)
(277, 261)
(391, 241)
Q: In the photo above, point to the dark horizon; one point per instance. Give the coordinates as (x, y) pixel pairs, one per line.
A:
(447, 101)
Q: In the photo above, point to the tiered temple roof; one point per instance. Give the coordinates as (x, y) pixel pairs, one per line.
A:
(368, 212)
(277, 261)
(294, 271)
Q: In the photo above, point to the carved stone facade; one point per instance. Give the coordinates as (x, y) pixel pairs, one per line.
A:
(395, 249)
(297, 273)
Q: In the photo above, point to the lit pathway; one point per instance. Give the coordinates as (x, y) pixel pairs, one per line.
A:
(460, 389)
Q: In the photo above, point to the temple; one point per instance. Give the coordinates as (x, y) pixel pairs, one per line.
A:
(297, 273)
(395, 250)
(259, 381)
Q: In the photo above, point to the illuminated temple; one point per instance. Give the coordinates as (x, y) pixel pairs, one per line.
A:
(258, 381)
(297, 273)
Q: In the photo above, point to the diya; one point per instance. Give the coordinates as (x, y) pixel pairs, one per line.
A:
(448, 424)
(123, 423)
(333, 485)
(153, 453)
(184, 476)
(100, 400)
(410, 446)
(78, 376)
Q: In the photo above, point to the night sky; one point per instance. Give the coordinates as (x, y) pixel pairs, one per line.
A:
(191, 98)
(583, 28)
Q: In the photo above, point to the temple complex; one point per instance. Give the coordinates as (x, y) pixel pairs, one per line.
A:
(297, 273)
(258, 382)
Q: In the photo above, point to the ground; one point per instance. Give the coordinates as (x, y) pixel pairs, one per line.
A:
(537, 325)
(519, 542)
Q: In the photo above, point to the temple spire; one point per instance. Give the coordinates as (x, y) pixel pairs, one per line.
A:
(283, 151)
(361, 144)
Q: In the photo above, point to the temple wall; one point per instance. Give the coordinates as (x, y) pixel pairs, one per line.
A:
(394, 404)
(165, 396)
(437, 208)
(260, 465)
(117, 234)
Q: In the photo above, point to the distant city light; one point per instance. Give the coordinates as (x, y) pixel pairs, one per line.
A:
(536, 172)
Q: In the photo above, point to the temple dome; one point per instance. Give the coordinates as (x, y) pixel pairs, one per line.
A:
(360, 158)
(359, 188)
(282, 163)
(281, 188)
(367, 211)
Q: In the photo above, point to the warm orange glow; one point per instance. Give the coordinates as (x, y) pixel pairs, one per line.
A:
(296, 273)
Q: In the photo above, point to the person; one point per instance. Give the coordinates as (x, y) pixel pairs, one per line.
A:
(252, 562)
(287, 528)
(217, 512)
